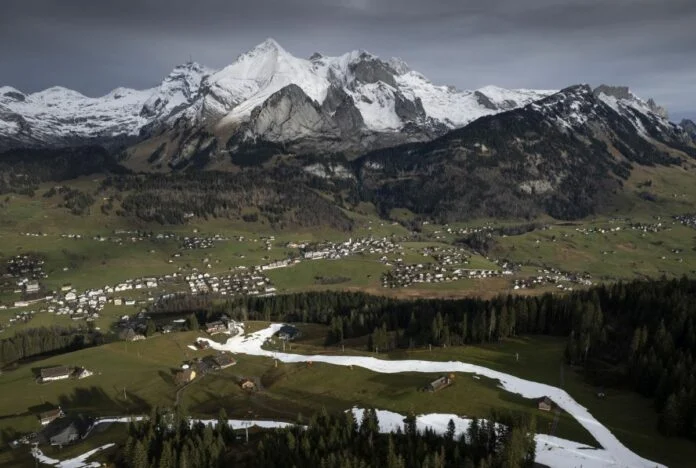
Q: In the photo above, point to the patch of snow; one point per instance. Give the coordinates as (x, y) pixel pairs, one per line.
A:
(77, 462)
(329, 171)
(376, 102)
(550, 451)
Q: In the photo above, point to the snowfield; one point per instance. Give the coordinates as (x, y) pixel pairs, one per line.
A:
(555, 451)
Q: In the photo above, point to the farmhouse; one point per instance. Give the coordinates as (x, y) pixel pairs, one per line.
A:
(48, 417)
(216, 327)
(223, 361)
(545, 404)
(439, 383)
(55, 373)
(65, 432)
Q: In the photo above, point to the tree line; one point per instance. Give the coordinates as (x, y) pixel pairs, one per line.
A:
(169, 440)
(251, 195)
(40, 341)
(639, 334)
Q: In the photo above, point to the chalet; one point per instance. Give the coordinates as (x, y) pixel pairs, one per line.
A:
(185, 376)
(55, 373)
(439, 383)
(288, 333)
(48, 417)
(223, 361)
(545, 404)
(216, 327)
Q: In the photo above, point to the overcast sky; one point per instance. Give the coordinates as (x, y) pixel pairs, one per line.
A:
(95, 45)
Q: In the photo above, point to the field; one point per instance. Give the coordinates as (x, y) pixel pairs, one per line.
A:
(131, 378)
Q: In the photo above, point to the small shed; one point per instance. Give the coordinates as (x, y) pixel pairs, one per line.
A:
(48, 417)
(545, 404)
(185, 376)
(439, 383)
(248, 385)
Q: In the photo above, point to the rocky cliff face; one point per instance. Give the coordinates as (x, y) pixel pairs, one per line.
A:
(690, 128)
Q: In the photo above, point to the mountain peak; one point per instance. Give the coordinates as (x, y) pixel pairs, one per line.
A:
(268, 45)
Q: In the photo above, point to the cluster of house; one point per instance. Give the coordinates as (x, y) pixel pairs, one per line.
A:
(551, 276)
(336, 250)
(88, 304)
(25, 268)
(688, 220)
(19, 317)
(280, 264)
(57, 428)
(51, 374)
(245, 281)
(192, 243)
(34, 234)
(446, 255)
(403, 275)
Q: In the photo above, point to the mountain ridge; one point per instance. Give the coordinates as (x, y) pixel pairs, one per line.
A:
(387, 94)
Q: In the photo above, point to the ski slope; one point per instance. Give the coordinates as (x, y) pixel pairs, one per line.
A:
(561, 453)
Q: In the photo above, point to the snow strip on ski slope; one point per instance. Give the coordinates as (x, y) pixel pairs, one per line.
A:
(614, 453)
(550, 451)
(77, 462)
(81, 461)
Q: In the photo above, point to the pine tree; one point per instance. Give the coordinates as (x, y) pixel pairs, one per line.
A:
(192, 323)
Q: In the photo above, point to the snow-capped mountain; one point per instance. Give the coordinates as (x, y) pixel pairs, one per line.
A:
(353, 96)
(60, 116)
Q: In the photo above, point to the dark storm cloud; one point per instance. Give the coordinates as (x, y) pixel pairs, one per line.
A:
(94, 46)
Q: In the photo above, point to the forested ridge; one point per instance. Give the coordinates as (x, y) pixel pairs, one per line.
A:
(250, 195)
(640, 335)
(169, 440)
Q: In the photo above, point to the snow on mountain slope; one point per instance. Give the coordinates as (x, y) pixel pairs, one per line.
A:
(357, 93)
(176, 92)
(238, 89)
(58, 113)
(457, 108)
